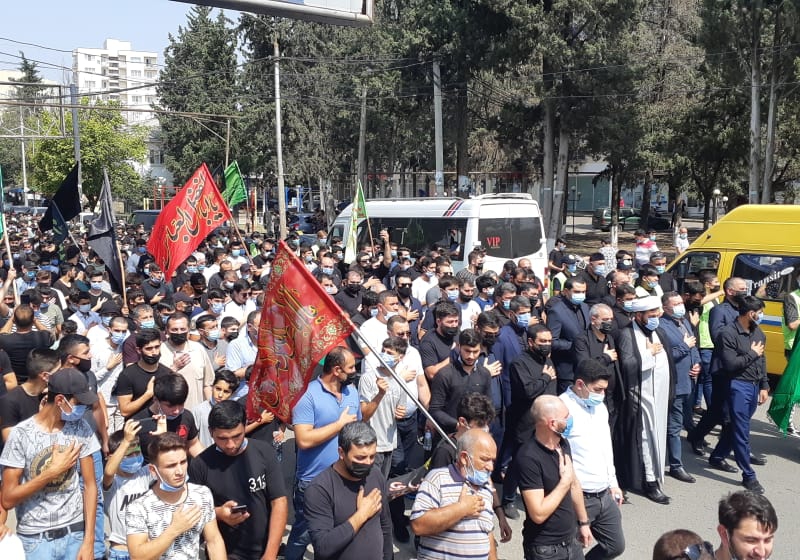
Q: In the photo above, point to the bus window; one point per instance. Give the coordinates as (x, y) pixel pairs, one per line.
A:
(769, 277)
(337, 232)
(418, 234)
(690, 264)
(510, 238)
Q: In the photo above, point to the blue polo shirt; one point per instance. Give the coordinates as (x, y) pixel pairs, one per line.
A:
(319, 407)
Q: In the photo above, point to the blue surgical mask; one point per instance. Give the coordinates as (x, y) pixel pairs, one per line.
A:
(490, 292)
(523, 319)
(476, 477)
(759, 317)
(679, 311)
(85, 308)
(191, 269)
(652, 284)
(149, 324)
(327, 270)
(213, 334)
(374, 311)
(652, 323)
(97, 285)
(106, 320)
(388, 359)
(594, 399)
(661, 268)
(628, 305)
(236, 253)
(119, 337)
(452, 295)
(568, 428)
(77, 412)
(577, 299)
(44, 307)
(600, 270)
(572, 268)
(131, 465)
(216, 308)
(167, 487)
(506, 304)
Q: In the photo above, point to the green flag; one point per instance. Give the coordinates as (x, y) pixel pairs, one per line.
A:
(358, 213)
(235, 191)
(787, 393)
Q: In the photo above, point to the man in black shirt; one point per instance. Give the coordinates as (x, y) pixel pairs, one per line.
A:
(23, 401)
(134, 388)
(19, 344)
(463, 375)
(552, 494)
(595, 277)
(241, 471)
(740, 347)
(346, 504)
(349, 297)
(436, 345)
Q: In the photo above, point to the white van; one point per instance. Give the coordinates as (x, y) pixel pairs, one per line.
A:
(506, 225)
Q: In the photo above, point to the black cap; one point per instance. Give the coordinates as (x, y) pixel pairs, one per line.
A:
(597, 257)
(70, 381)
(109, 307)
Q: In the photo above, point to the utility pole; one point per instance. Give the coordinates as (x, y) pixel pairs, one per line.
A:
(278, 143)
(76, 135)
(24, 163)
(437, 121)
(362, 138)
(227, 143)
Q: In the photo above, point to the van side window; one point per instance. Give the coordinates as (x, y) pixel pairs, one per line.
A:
(510, 238)
(690, 264)
(418, 234)
(769, 277)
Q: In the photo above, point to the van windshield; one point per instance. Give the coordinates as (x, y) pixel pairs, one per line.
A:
(510, 238)
(419, 234)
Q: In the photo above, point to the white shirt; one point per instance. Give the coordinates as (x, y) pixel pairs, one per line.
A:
(106, 380)
(468, 310)
(590, 442)
(238, 311)
(681, 244)
(83, 320)
(420, 286)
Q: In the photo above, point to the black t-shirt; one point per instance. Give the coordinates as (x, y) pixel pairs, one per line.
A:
(539, 469)
(18, 345)
(16, 406)
(183, 425)
(443, 454)
(133, 381)
(434, 348)
(330, 500)
(253, 478)
(5, 368)
(165, 289)
(347, 301)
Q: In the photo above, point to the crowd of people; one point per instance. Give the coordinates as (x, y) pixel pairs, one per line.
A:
(123, 409)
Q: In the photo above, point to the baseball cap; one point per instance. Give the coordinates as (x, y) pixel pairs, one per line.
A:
(109, 307)
(70, 381)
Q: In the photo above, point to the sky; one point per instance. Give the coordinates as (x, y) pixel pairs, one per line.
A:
(84, 23)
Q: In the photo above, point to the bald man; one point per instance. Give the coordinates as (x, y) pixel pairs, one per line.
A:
(452, 513)
(550, 490)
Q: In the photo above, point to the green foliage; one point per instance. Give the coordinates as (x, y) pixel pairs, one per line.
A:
(106, 141)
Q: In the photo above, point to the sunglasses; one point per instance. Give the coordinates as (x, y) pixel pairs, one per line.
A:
(695, 551)
(404, 285)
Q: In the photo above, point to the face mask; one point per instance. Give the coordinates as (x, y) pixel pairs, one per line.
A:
(523, 319)
(353, 288)
(85, 308)
(373, 312)
(192, 269)
(476, 477)
(245, 276)
(84, 365)
(330, 290)
(216, 308)
(236, 253)
(404, 291)
(30, 276)
(97, 286)
(429, 274)
(148, 324)
(653, 238)
(627, 305)
(323, 241)
(661, 268)
(151, 360)
(118, 337)
(390, 314)
(76, 413)
(178, 339)
(358, 470)
(394, 254)
(228, 285)
(389, 359)
(489, 292)
(594, 399)
(449, 332)
(106, 321)
(155, 281)
(309, 258)
(489, 339)
(652, 284)
(44, 307)
(142, 250)
(327, 270)
(562, 247)
(339, 255)
(759, 318)
(652, 323)
(452, 295)
(627, 262)
(683, 236)
(577, 299)
(201, 267)
(679, 311)
(606, 327)
(568, 428)
(131, 465)
(600, 270)
(572, 268)
(543, 349)
(231, 336)
(506, 304)
(168, 488)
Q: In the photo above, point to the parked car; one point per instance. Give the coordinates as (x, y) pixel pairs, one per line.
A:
(146, 217)
(629, 219)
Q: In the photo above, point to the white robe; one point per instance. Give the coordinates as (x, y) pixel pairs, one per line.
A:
(654, 405)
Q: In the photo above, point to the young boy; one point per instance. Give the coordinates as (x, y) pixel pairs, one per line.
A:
(23, 401)
(125, 479)
(225, 382)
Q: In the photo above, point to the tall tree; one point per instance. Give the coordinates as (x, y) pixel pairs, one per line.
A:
(200, 75)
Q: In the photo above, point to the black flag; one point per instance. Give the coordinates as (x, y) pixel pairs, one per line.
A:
(66, 198)
(103, 239)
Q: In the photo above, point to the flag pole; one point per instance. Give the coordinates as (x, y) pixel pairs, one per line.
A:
(122, 273)
(244, 243)
(10, 258)
(400, 381)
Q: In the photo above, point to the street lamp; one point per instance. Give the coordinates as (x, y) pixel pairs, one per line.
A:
(716, 194)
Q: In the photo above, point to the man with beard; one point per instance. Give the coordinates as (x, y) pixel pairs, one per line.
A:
(747, 525)
(648, 380)
(436, 345)
(410, 308)
(188, 359)
(346, 505)
(567, 318)
(349, 297)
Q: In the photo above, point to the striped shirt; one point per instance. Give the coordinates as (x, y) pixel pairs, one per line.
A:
(468, 538)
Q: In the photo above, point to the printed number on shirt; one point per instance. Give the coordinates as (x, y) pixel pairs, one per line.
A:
(258, 483)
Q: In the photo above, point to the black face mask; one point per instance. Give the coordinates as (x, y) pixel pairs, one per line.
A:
(489, 340)
(449, 332)
(606, 327)
(178, 339)
(465, 298)
(404, 292)
(353, 288)
(151, 360)
(230, 337)
(543, 349)
(84, 365)
(358, 470)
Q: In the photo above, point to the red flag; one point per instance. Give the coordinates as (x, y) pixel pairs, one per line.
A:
(300, 324)
(188, 218)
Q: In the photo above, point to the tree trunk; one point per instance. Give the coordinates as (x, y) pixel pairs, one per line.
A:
(647, 195)
(615, 195)
(755, 103)
(562, 167)
(769, 155)
(548, 164)
(462, 137)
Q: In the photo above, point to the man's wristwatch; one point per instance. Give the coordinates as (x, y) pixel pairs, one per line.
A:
(584, 523)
